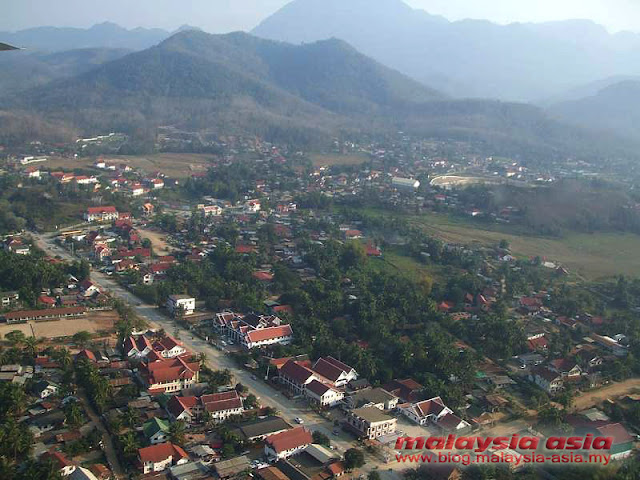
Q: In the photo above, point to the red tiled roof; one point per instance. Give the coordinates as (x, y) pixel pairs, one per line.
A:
(296, 372)
(289, 439)
(222, 405)
(318, 388)
(430, 407)
(329, 369)
(160, 452)
(58, 459)
(269, 333)
(449, 422)
(97, 210)
(263, 276)
(44, 313)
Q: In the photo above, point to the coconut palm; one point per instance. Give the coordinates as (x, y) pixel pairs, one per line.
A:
(176, 432)
(30, 346)
(130, 417)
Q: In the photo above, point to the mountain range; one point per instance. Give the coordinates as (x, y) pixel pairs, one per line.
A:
(22, 70)
(470, 58)
(238, 83)
(104, 35)
(614, 108)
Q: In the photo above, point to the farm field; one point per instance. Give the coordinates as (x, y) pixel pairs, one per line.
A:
(320, 160)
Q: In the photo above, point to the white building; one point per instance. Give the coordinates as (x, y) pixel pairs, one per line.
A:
(184, 303)
(322, 394)
(405, 183)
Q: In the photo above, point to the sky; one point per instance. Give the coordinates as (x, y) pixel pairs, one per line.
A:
(220, 16)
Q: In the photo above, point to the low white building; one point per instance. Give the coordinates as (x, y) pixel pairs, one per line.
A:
(288, 443)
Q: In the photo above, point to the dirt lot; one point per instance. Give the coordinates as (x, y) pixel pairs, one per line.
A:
(614, 391)
(93, 322)
(160, 246)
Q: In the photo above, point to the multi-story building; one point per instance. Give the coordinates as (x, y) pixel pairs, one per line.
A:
(170, 376)
(370, 422)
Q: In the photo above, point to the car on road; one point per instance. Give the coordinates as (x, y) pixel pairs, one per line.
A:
(336, 432)
(298, 420)
(253, 377)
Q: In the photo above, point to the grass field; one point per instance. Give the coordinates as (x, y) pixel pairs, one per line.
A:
(591, 256)
(321, 160)
(175, 165)
(409, 267)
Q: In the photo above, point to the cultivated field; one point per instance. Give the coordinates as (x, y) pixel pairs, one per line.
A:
(321, 160)
(93, 322)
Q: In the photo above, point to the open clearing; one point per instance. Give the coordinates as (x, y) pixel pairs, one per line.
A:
(160, 246)
(174, 165)
(616, 390)
(93, 322)
(321, 160)
(591, 256)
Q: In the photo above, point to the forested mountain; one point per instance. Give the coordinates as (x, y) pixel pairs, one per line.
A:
(238, 83)
(615, 108)
(104, 35)
(21, 70)
(470, 58)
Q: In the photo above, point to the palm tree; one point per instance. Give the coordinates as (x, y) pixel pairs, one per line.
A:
(63, 357)
(130, 417)
(176, 432)
(30, 346)
(73, 415)
(202, 357)
(82, 338)
(129, 445)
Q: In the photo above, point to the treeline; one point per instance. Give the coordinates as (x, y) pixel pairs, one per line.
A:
(31, 274)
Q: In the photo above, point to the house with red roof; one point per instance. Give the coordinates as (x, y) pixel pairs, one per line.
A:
(101, 214)
(337, 372)
(62, 464)
(170, 376)
(263, 276)
(253, 331)
(323, 395)
(288, 443)
(169, 347)
(296, 377)
(137, 347)
(427, 411)
(219, 406)
(550, 381)
(408, 390)
(622, 444)
(157, 458)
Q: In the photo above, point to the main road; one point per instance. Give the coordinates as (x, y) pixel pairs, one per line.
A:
(215, 359)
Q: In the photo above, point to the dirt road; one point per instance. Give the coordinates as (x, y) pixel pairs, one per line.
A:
(589, 399)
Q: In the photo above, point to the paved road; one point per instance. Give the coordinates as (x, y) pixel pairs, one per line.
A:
(216, 359)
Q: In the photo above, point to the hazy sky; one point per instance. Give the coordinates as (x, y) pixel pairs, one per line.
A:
(219, 16)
